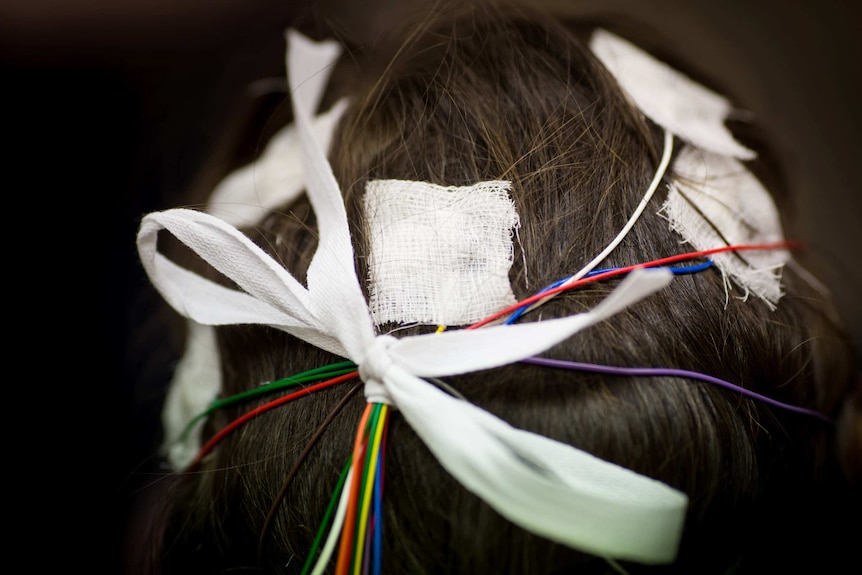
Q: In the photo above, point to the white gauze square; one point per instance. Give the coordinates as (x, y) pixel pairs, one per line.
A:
(439, 255)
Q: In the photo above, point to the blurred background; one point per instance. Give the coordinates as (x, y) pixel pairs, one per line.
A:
(113, 105)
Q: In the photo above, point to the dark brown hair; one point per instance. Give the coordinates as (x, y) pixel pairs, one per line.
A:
(498, 93)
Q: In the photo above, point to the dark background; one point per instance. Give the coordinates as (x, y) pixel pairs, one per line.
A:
(110, 107)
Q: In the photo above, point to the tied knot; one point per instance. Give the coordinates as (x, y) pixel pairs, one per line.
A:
(373, 368)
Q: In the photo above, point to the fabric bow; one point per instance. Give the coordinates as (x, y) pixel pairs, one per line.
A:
(548, 487)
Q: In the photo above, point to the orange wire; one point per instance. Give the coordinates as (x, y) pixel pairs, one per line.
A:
(347, 529)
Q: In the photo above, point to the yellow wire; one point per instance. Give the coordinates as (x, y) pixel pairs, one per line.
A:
(369, 485)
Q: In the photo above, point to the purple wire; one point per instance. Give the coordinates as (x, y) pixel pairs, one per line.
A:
(667, 371)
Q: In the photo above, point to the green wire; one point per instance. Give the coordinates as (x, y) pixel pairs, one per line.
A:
(370, 429)
(274, 385)
(323, 372)
(333, 501)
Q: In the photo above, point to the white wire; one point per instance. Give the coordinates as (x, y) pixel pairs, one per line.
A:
(335, 530)
(659, 174)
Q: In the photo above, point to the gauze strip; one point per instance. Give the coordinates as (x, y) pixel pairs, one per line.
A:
(196, 382)
(548, 487)
(668, 97)
(715, 201)
(439, 255)
(246, 195)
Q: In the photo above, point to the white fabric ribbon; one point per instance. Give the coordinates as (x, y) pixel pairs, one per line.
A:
(277, 177)
(243, 198)
(548, 487)
(669, 98)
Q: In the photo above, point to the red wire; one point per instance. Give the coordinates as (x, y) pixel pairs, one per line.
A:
(627, 269)
(257, 411)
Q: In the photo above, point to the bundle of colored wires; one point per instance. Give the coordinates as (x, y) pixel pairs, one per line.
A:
(357, 527)
(361, 534)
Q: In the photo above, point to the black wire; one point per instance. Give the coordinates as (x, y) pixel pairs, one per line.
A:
(292, 473)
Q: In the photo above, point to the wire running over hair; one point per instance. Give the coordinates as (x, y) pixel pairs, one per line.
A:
(672, 372)
(563, 282)
(627, 269)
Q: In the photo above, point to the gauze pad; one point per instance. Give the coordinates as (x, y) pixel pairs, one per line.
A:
(439, 255)
(715, 201)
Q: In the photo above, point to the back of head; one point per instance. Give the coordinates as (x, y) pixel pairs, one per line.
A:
(495, 94)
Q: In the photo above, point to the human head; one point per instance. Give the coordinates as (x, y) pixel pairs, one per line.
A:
(512, 96)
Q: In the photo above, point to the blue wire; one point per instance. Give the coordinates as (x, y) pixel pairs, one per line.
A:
(378, 521)
(676, 271)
